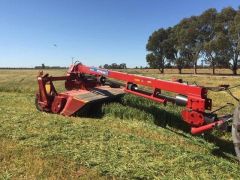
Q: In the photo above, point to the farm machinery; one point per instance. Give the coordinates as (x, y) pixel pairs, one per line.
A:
(88, 85)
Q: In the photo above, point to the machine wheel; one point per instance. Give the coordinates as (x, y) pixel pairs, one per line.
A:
(236, 131)
(37, 105)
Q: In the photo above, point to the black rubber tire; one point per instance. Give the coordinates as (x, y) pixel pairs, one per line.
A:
(39, 108)
(236, 131)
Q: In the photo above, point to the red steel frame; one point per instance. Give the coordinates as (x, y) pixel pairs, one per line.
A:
(196, 97)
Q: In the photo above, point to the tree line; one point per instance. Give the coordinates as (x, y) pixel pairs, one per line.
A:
(43, 66)
(212, 37)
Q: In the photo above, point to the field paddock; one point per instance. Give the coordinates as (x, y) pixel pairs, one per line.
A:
(133, 138)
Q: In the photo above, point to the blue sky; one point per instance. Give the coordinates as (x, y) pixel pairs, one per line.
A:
(96, 32)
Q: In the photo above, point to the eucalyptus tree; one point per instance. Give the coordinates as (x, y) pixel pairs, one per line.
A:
(189, 40)
(213, 36)
(158, 44)
(210, 49)
(228, 23)
(216, 52)
(235, 32)
(176, 51)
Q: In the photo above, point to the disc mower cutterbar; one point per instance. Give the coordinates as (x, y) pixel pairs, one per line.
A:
(85, 85)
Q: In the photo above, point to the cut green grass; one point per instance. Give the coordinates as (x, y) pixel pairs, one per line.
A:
(111, 147)
(134, 139)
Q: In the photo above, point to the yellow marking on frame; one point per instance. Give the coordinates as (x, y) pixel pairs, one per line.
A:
(48, 88)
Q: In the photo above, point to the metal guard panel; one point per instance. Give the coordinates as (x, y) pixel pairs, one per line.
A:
(99, 93)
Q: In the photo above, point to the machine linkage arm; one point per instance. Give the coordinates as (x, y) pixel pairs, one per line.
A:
(193, 97)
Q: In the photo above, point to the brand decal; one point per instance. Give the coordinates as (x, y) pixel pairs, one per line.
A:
(100, 71)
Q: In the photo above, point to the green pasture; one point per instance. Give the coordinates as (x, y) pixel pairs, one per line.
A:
(130, 139)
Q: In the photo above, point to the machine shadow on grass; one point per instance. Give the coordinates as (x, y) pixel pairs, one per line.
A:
(94, 109)
(167, 119)
(164, 119)
(223, 146)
